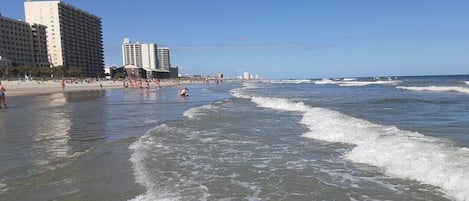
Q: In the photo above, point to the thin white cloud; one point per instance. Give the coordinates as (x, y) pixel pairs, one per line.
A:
(353, 37)
(254, 46)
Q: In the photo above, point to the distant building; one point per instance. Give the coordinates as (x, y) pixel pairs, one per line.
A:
(74, 36)
(246, 76)
(164, 59)
(155, 61)
(135, 72)
(174, 72)
(143, 55)
(22, 44)
(131, 53)
(110, 72)
(149, 57)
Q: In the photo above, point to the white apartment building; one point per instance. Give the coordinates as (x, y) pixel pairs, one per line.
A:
(155, 61)
(246, 75)
(74, 36)
(22, 44)
(149, 57)
(143, 55)
(131, 53)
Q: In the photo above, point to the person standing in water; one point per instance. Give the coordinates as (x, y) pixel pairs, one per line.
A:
(184, 92)
(157, 83)
(3, 100)
(62, 84)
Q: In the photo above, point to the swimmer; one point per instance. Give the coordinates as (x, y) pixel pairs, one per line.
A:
(184, 92)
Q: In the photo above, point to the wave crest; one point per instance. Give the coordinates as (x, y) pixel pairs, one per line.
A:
(437, 88)
(355, 83)
(400, 153)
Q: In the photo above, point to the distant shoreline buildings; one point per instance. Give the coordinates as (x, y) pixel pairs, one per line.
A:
(248, 76)
(146, 60)
(60, 36)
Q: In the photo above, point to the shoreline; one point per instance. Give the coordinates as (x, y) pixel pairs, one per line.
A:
(29, 88)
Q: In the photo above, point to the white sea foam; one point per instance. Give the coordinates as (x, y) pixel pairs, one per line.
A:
(325, 81)
(142, 175)
(365, 83)
(437, 88)
(467, 82)
(355, 83)
(240, 92)
(194, 113)
(160, 187)
(3, 187)
(291, 81)
(399, 153)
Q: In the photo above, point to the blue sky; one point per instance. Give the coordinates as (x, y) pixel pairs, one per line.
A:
(280, 39)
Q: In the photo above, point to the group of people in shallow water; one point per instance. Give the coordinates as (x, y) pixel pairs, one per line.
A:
(139, 83)
(76, 81)
(182, 91)
(3, 100)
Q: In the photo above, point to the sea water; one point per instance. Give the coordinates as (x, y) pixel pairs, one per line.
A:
(75, 145)
(400, 138)
(397, 138)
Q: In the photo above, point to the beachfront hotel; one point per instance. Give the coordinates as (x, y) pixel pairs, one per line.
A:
(22, 44)
(155, 61)
(74, 36)
(163, 58)
(132, 54)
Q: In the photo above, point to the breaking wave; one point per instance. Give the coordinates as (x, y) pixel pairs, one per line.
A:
(437, 89)
(399, 153)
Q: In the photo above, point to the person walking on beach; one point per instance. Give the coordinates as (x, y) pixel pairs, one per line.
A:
(3, 100)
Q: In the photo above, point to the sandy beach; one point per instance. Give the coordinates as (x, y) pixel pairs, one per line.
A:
(25, 88)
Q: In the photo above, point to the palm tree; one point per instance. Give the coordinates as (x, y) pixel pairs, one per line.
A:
(119, 75)
(75, 72)
(57, 72)
(15, 70)
(44, 72)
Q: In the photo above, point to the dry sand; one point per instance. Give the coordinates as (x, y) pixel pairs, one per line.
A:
(24, 88)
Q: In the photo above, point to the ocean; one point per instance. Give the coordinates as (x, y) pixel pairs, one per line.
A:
(391, 138)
